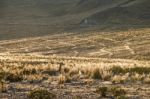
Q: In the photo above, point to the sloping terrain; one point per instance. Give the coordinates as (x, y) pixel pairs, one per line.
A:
(131, 44)
(21, 18)
(130, 12)
(86, 5)
(26, 18)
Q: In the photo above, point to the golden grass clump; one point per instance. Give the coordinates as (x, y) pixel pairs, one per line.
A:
(119, 79)
(147, 80)
(64, 79)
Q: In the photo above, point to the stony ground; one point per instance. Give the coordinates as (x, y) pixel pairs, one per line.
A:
(86, 89)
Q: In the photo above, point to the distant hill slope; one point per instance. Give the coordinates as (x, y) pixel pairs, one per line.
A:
(130, 12)
(25, 18)
(130, 44)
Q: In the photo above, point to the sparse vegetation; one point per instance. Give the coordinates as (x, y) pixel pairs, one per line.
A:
(139, 70)
(102, 91)
(78, 72)
(29, 71)
(115, 91)
(117, 70)
(88, 49)
(118, 92)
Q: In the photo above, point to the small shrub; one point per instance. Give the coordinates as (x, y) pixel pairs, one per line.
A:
(66, 70)
(117, 91)
(14, 77)
(102, 91)
(41, 94)
(29, 71)
(73, 72)
(51, 72)
(96, 74)
(68, 79)
(3, 88)
(2, 81)
(140, 70)
(106, 76)
(137, 77)
(117, 70)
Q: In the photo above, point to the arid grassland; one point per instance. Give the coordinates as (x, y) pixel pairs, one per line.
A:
(27, 76)
(91, 65)
(74, 49)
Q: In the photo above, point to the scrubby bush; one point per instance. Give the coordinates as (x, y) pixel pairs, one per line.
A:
(102, 91)
(29, 71)
(2, 85)
(73, 72)
(41, 94)
(117, 70)
(96, 74)
(66, 70)
(140, 70)
(117, 91)
(51, 72)
(14, 77)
